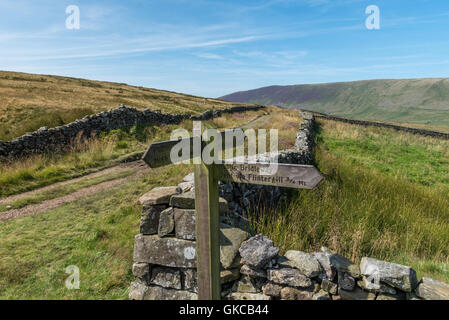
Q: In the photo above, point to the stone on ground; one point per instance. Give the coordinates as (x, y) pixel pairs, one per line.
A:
(189, 280)
(185, 224)
(356, 294)
(187, 201)
(272, 289)
(189, 178)
(391, 297)
(342, 264)
(256, 273)
(346, 282)
(141, 271)
(288, 293)
(137, 291)
(371, 285)
(283, 262)
(159, 293)
(248, 284)
(321, 295)
(184, 200)
(227, 276)
(328, 272)
(165, 277)
(329, 286)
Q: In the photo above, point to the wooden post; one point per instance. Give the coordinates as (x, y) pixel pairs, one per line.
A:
(207, 232)
(206, 198)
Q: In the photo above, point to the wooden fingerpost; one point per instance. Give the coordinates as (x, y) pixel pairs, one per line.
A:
(207, 232)
(206, 198)
(207, 224)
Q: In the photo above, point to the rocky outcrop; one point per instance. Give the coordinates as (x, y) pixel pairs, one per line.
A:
(56, 139)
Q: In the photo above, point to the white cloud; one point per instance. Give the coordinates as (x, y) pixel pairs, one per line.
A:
(212, 56)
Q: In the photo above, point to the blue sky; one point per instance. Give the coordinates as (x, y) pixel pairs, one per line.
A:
(211, 48)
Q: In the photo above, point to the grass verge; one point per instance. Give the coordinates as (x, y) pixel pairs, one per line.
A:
(95, 233)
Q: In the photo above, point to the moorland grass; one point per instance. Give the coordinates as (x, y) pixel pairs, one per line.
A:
(31, 101)
(417, 158)
(375, 200)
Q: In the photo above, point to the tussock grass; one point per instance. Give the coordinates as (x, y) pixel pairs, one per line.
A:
(237, 120)
(286, 122)
(420, 159)
(363, 209)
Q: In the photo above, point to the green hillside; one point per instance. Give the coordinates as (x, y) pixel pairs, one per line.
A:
(420, 101)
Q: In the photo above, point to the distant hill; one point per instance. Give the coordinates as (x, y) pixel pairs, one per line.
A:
(421, 101)
(31, 101)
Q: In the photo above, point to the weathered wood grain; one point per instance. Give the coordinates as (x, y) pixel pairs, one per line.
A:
(158, 153)
(207, 232)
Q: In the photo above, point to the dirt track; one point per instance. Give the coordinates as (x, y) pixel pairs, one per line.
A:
(139, 166)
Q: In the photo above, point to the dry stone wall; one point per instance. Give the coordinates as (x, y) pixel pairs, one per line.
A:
(423, 132)
(165, 249)
(54, 139)
(251, 268)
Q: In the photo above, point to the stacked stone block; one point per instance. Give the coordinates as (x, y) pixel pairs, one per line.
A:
(165, 249)
(326, 275)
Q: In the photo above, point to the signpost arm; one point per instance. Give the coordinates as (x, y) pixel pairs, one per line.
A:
(207, 232)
